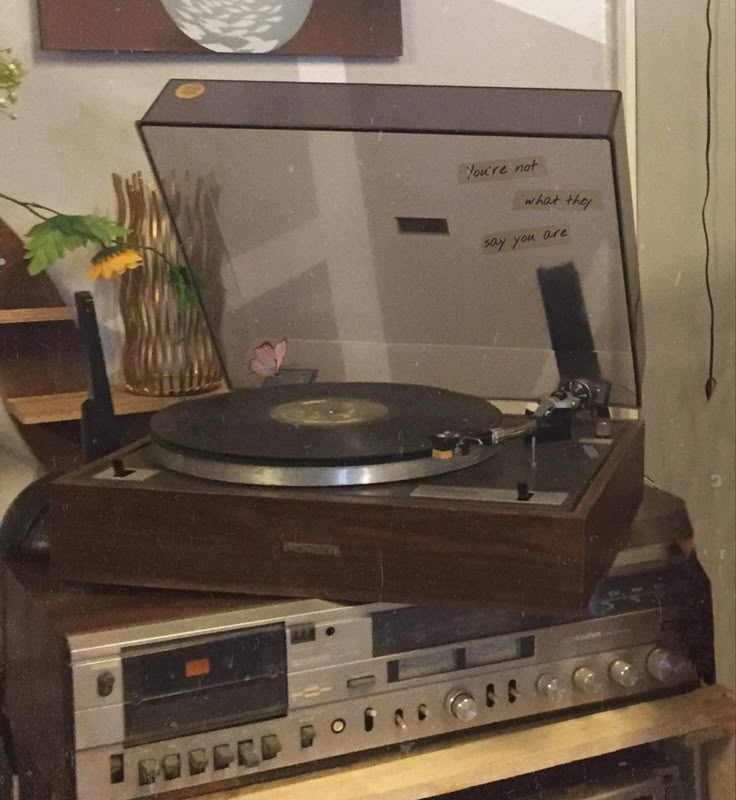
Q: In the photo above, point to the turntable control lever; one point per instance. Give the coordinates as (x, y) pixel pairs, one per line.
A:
(603, 429)
(624, 674)
(552, 687)
(663, 664)
(462, 706)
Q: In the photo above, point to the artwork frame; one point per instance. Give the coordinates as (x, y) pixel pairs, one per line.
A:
(358, 28)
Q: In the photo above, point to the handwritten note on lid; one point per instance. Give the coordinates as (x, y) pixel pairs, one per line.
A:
(511, 241)
(505, 169)
(560, 199)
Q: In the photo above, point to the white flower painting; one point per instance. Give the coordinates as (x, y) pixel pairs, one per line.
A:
(239, 26)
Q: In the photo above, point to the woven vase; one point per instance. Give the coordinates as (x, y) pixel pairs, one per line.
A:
(168, 349)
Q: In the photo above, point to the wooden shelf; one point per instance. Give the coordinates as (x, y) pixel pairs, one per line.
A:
(430, 770)
(37, 409)
(15, 316)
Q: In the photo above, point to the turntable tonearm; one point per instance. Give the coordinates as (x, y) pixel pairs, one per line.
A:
(422, 248)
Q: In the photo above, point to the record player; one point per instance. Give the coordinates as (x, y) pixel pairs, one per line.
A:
(390, 259)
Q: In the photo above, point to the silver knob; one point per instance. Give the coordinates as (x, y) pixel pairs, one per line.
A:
(664, 665)
(552, 687)
(462, 706)
(587, 681)
(624, 674)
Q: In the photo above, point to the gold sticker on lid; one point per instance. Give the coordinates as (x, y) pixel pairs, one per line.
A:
(188, 91)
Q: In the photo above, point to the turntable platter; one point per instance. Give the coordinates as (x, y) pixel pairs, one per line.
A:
(318, 434)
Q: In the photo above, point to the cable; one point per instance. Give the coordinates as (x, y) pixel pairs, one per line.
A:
(710, 384)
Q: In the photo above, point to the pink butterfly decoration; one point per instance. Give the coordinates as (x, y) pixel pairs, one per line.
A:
(268, 358)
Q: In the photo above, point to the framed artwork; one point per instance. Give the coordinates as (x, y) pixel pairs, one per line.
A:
(284, 27)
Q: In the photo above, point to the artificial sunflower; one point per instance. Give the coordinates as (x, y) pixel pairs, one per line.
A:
(114, 260)
(58, 234)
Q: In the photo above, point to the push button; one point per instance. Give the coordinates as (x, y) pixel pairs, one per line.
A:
(270, 747)
(117, 768)
(171, 766)
(307, 735)
(361, 682)
(147, 771)
(304, 632)
(197, 762)
(223, 756)
(247, 755)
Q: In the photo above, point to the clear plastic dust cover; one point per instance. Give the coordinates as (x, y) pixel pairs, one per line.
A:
(476, 239)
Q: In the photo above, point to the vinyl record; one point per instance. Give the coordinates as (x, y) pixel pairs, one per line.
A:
(320, 424)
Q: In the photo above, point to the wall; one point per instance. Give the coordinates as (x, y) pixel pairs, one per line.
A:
(690, 441)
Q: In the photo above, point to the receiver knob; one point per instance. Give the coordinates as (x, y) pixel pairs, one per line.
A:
(551, 687)
(587, 681)
(462, 706)
(624, 674)
(664, 665)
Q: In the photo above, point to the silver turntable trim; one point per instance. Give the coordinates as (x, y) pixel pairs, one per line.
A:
(356, 475)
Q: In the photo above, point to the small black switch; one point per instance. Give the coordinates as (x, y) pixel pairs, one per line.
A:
(307, 735)
(119, 470)
(117, 768)
(522, 491)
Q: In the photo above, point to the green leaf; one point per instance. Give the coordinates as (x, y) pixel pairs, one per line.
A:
(50, 240)
(101, 228)
(179, 279)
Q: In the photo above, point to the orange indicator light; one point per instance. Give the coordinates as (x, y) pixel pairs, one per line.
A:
(197, 666)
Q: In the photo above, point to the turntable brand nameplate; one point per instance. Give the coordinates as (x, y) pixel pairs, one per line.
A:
(488, 495)
(311, 549)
